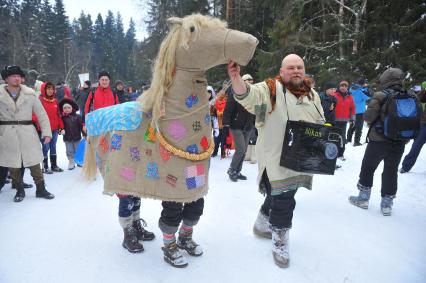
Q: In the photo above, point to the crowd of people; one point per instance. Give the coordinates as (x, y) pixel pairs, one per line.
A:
(246, 116)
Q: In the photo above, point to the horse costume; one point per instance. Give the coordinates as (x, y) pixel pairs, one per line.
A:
(159, 146)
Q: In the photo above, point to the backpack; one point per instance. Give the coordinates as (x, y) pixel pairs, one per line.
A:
(400, 116)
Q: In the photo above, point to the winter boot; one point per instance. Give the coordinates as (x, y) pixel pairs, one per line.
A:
(186, 242)
(253, 159)
(363, 198)
(141, 233)
(386, 205)
(280, 246)
(241, 176)
(71, 164)
(26, 186)
(41, 192)
(233, 175)
(261, 226)
(130, 241)
(54, 165)
(20, 193)
(46, 169)
(247, 157)
(174, 256)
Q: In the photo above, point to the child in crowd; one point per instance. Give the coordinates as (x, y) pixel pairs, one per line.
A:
(73, 126)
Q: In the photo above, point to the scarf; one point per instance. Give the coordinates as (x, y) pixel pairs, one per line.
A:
(299, 92)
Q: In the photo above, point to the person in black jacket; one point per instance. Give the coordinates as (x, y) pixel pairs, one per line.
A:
(240, 122)
(328, 102)
(73, 128)
(120, 92)
(81, 95)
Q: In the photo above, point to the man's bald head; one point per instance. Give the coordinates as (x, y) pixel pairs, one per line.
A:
(292, 69)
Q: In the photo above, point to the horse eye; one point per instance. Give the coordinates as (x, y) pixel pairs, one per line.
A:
(192, 29)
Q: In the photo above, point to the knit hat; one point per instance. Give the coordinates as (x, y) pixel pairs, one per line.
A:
(69, 102)
(329, 85)
(11, 70)
(118, 82)
(104, 73)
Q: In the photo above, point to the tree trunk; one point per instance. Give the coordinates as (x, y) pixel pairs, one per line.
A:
(358, 17)
(341, 29)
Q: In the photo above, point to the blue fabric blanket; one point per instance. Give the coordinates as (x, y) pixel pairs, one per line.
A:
(122, 117)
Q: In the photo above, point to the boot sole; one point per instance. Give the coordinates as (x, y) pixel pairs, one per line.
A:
(358, 205)
(266, 235)
(133, 251)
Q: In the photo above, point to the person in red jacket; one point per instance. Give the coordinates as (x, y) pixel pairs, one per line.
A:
(345, 112)
(102, 96)
(50, 104)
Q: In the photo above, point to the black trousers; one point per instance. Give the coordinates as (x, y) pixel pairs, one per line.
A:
(390, 154)
(174, 212)
(3, 175)
(357, 128)
(279, 208)
(342, 125)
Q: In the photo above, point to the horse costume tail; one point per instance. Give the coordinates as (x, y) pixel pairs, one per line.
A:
(89, 166)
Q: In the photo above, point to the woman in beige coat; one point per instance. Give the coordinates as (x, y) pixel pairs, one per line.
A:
(19, 141)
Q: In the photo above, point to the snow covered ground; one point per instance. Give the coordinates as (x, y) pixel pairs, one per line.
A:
(76, 237)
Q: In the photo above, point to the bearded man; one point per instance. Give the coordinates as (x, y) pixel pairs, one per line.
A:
(274, 101)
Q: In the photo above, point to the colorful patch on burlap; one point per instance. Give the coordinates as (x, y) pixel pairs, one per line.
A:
(135, 154)
(171, 180)
(177, 130)
(196, 126)
(207, 119)
(193, 148)
(148, 152)
(191, 101)
(152, 170)
(116, 142)
(165, 155)
(204, 143)
(195, 176)
(103, 144)
(127, 173)
(150, 135)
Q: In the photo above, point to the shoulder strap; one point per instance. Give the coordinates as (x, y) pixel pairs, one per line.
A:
(92, 98)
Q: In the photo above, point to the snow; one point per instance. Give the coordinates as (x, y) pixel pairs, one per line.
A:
(76, 237)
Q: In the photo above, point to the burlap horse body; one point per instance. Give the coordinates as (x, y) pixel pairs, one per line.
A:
(159, 147)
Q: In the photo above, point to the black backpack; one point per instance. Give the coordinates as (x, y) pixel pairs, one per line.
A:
(400, 116)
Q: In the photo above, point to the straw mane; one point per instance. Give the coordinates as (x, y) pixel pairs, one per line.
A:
(180, 35)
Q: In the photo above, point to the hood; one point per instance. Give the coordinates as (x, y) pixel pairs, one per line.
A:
(391, 77)
(43, 89)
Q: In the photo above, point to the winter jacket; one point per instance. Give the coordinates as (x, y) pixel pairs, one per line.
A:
(271, 126)
(80, 98)
(122, 95)
(235, 116)
(52, 110)
(102, 97)
(73, 126)
(375, 113)
(328, 102)
(360, 97)
(345, 108)
(20, 144)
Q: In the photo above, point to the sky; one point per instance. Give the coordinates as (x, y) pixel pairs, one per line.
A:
(127, 8)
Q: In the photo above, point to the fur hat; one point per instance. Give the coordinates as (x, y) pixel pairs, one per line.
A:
(329, 85)
(70, 102)
(104, 73)
(12, 70)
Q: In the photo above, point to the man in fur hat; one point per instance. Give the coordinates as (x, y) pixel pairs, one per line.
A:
(19, 142)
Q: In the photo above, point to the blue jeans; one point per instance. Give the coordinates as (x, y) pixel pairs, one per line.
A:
(411, 157)
(50, 145)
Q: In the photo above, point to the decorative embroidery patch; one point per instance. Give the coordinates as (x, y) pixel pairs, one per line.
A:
(260, 112)
(195, 176)
(127, 173)
(135, 154)
(103, 144)
(207, 119)
(196, 126)
(165, 155)
(204, 143)
(171, 180)
(177, 130)
(191, 101)
(193, 148)
(150, 135)
(148, 152)
(152, 170)
(116, 142)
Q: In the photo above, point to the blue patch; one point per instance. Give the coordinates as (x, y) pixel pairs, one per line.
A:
(116, 142)
(193, 148)
(191, 101)
(152, 170)
(207, 119)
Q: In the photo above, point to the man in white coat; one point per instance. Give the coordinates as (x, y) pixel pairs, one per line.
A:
(19, 141)
(288, 96)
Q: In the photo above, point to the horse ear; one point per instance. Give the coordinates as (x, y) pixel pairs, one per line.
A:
(175, 21)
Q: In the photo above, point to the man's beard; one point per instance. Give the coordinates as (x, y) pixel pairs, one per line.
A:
(295, 83)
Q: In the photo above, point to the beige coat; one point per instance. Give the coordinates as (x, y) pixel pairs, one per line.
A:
(271, 129)
(20, 143)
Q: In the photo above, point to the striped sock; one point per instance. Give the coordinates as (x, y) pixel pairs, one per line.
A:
(168, 239)
(185, 231)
